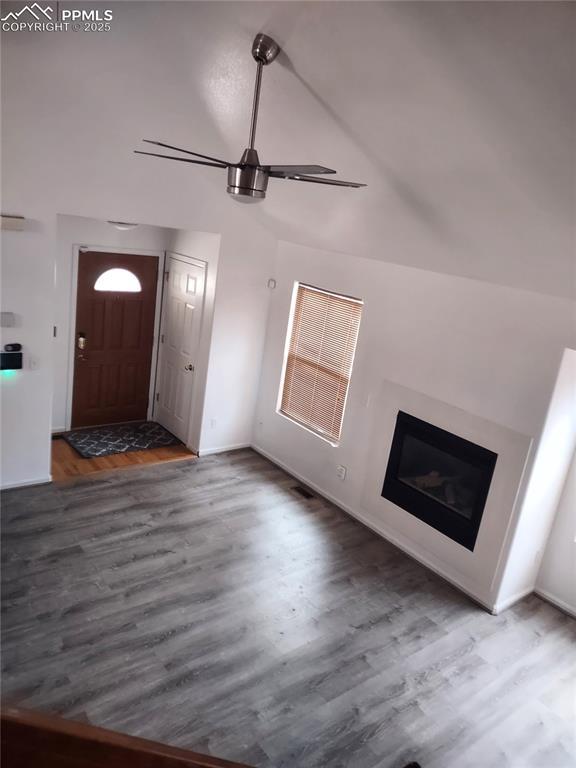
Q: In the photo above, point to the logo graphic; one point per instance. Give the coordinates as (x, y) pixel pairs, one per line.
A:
(33, 9)
(34, 17)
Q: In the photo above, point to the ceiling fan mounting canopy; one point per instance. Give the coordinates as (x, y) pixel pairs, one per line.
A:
(248, 179)
(264, 49)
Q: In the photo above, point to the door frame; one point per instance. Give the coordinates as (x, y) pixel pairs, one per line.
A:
(76, 249)
(198, 391)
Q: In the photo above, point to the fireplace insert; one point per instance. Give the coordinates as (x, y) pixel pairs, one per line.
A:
(439, 477)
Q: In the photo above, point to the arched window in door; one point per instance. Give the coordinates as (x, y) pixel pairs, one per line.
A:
(119, 281)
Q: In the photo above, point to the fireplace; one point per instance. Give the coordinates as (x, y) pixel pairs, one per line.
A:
(439, 477)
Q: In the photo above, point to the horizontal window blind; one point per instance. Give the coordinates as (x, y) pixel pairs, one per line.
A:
(319, 362)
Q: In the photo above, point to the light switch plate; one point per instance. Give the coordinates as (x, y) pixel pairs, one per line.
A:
(7, 319)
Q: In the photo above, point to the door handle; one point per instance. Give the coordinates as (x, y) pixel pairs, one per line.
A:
(189, 367)
(81, 342)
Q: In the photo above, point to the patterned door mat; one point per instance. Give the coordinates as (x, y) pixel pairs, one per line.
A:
(119, 438)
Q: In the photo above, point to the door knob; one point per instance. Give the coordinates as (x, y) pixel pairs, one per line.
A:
(81, 340)
(189, 367)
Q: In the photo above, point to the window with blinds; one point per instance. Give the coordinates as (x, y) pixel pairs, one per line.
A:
(320, 353)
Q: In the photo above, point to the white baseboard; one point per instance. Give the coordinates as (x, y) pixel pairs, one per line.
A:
(502, 605)
(27, 483)
(223, 449)
(556, 601)
(380, 531)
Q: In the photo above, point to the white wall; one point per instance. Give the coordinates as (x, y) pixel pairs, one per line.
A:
(556, 446)
(73, 231)
(233, 333)
(490, 351)
(557, 577)
(27, 290)
(238, 335)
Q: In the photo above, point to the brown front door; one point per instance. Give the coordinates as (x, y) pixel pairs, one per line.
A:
(114, 337)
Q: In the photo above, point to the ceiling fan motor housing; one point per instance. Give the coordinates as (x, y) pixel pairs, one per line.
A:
(248, 180)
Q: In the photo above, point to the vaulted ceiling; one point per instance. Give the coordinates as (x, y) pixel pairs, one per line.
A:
(460, 117)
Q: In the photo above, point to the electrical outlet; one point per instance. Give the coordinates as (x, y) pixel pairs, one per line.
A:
(341, 472)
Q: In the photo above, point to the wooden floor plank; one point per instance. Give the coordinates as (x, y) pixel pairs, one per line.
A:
(208, 605)
(67, 463)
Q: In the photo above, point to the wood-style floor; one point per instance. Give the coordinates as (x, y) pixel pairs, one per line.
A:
(67, 463)
(208, 605)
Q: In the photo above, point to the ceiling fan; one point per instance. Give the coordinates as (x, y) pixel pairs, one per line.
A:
(248, 179)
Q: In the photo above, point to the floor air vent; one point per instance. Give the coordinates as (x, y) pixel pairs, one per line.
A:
(303, 491)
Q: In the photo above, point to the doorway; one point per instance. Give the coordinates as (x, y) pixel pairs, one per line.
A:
(114, 337)
(135, 352)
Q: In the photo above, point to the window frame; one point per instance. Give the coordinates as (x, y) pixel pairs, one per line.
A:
(124, 271)
(287, 344)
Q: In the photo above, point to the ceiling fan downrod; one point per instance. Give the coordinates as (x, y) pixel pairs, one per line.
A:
(248, 181)
(264, 51)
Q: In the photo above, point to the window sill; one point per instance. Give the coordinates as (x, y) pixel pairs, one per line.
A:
(308, 429)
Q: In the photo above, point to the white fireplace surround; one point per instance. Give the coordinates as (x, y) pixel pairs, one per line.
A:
(478, 573)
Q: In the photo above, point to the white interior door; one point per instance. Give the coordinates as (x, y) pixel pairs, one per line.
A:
(182, 308)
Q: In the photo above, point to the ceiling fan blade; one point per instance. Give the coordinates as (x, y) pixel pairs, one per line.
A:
(187, 151)
(181, 159)
(290, 170)
(314, 180)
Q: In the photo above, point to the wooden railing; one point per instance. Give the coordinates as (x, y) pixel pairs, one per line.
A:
(36, 740)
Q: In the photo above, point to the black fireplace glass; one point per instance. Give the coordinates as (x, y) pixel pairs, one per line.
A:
(439, 477)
